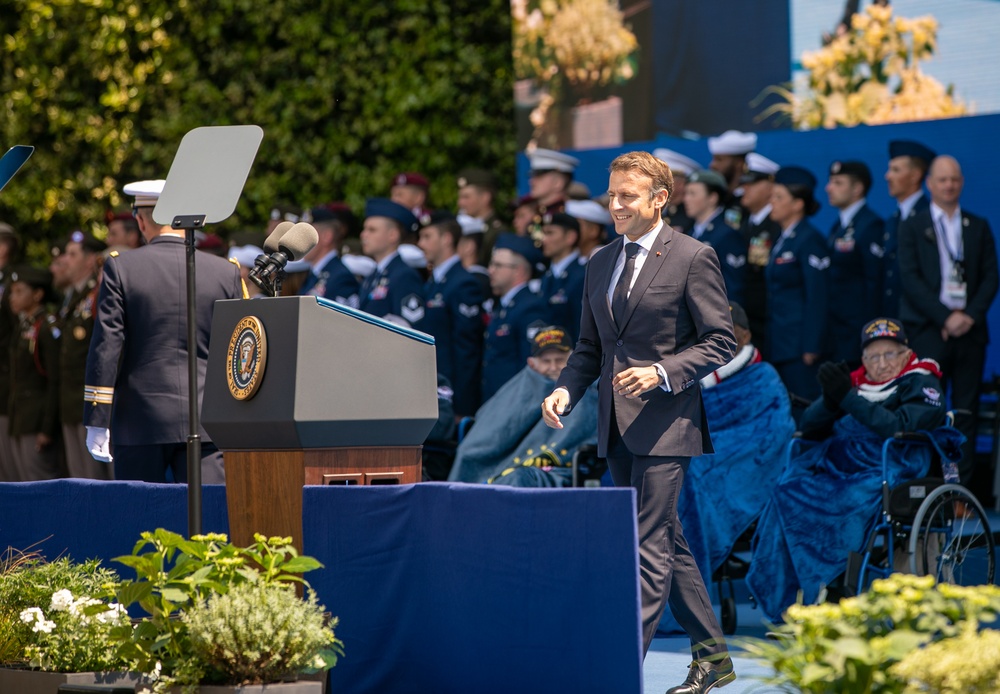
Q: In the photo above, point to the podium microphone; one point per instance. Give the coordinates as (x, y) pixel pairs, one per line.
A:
(271, 243)
(293, 244)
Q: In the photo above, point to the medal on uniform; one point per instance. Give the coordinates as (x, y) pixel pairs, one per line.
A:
(845, 244)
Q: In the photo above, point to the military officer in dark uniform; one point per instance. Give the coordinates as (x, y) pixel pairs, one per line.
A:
(477, 190)
(76, 325)
(950, 278)
(729, 157)
(562, 283)
(550, 178)
(703, 198)
(908, 164)
(856, 259)
(760, 232)
(34, 377)
(797, 284)
(136, 381)
(675, 214)
(594, 219)
(9, 246)
(328, 276)
(515, 315)
(394, 287)
(453, 301)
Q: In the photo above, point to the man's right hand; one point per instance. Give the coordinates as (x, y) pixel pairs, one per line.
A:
(553, 406)
(99, 444)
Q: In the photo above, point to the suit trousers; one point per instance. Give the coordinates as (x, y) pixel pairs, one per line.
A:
(668, 574)
(961, 360)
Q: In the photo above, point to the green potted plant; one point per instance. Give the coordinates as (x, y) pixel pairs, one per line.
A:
(868, 643)
(57, 624)
(225, 618)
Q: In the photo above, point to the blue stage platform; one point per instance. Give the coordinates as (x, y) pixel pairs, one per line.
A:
(438, 587)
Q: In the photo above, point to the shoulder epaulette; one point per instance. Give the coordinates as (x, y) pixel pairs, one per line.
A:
(235, 262)
(113, 254)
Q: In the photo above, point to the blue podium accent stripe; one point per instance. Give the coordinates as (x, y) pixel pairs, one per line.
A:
(375, 320)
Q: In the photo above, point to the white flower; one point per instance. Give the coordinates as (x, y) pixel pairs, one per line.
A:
(44, 626)
(61, 600)
(31, 614)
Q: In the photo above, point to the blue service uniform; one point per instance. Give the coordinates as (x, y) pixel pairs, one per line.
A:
(798, 296)
(892, 287)
(857, 271)
(508, 338)
(564, 296)
(731, 248)
(453, 315)
(333, 281)
(396, 289)
(136, 378)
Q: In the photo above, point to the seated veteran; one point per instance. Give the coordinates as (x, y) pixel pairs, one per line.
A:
(830, 492)
(510, 444)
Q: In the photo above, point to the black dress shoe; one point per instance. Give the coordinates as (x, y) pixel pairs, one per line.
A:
(704, 676)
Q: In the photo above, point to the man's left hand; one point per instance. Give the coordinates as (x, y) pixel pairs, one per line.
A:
(635, 381)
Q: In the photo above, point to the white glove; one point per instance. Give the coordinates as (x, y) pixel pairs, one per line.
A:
(98, 443)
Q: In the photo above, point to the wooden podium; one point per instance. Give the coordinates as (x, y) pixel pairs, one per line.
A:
(300, 391)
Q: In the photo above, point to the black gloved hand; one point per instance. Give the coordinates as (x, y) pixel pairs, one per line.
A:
(835, 380)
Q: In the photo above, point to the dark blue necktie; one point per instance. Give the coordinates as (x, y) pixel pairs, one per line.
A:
(619, 298)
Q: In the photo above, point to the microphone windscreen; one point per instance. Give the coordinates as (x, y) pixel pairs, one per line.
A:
(298, 241)
(271, 243)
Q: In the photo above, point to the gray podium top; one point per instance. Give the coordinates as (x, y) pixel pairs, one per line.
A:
(332, 377)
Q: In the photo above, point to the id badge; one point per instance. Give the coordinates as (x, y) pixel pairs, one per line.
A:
(955, 287)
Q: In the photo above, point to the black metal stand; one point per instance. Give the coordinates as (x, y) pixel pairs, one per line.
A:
(189, 223)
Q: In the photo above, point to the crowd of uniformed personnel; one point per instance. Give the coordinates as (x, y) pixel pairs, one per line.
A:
(482, 282)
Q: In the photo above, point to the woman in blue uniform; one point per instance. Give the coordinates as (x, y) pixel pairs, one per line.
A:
(797, 284)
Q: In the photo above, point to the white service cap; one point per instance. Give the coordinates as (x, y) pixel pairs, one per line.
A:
(588, 210)
(732, 142)
(551, 160)
(245, 255)
(677, 162)
(146, 193)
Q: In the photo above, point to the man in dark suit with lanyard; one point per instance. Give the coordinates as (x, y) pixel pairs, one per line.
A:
(949, 265)
(655, 321)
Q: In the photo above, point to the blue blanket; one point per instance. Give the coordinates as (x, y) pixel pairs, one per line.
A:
(750, 419)
(511, 445)
(823, 507)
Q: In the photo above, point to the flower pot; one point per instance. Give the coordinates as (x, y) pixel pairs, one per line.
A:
(25, 681)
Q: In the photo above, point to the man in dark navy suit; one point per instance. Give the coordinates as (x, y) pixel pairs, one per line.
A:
(329, 277)
(949, 263)
(516, 314)
(136, 380)
(908, 163)
(562, 283)
(703, 197)
(655, 321)
(453, 301)
(856, 259)
(394, 287)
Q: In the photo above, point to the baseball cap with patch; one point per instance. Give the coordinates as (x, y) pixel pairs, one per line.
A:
(883, 329)
(551, 337)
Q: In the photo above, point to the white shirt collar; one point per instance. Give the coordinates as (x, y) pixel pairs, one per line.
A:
(441, 270)
(646, 240)
(318, 265)
(381, 265)
(906, 206)
(847, 214)
(937, 214)
(761, 214)
(700, 227)
(505, 299)
(559, 268)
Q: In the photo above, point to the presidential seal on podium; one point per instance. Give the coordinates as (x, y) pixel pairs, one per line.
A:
(246, 358)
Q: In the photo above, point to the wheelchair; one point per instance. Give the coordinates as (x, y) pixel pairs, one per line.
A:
(925, 526)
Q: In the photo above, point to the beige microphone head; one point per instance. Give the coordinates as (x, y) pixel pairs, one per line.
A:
(271, 243)
(298, 240)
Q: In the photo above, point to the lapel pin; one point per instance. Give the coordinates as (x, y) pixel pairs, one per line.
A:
(657, 254)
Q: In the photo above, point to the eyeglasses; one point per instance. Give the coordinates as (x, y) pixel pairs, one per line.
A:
(887, 357)
(495, 264)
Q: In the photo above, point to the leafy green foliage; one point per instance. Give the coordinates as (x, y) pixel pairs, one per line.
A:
(850, 646)
(175, 574)
(259, 633)
(27, 580)
(347, 94)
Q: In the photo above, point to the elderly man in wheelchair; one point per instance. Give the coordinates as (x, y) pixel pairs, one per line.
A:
(834, 483)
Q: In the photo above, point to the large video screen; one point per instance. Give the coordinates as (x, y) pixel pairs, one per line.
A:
(594, 73)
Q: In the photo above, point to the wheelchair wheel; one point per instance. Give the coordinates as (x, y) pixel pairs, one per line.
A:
(951, 538)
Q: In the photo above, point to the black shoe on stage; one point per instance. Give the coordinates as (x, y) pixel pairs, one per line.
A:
(704, 676)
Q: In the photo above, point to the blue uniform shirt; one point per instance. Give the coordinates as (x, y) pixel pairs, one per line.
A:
(333, 281)
(798, 293)
(731, 248)
(508, 338)
(453, 315)
(396, 288)
(563, 292)
(856, 276)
